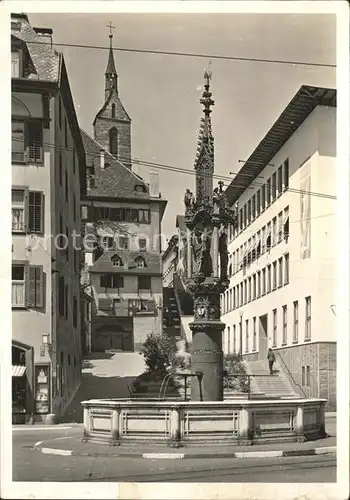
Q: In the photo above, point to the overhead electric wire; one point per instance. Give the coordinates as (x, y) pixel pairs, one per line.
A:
(188, 54)
(253, 185)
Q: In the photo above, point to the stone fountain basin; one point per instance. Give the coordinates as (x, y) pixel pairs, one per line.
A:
(182, 423)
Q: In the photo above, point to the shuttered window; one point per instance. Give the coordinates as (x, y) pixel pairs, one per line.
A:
(27, 141)
(34, 141)
(111, 281)
(27, 211)
(36, 211)
(34, 279)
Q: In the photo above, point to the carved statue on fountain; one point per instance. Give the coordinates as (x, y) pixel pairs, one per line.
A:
(216, 201)
(189, 202)
(223, 253)
(202, 261)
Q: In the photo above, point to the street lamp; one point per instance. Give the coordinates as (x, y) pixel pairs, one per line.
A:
(240, 332)
(46, 342)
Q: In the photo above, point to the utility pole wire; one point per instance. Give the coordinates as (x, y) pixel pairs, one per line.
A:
(191, 54)
(254, 185)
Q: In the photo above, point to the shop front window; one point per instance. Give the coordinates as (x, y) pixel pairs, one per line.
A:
(42, 392)
(19, 380)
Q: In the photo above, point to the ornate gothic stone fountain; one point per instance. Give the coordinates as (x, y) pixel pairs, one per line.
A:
(206, 418)
(207, 217)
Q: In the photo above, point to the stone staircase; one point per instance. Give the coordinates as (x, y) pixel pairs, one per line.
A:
(171, 319)
(276, 385)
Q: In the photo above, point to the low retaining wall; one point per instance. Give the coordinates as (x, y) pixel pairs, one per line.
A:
(118, 422)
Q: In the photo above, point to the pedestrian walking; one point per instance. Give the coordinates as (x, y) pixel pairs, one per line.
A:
(271, 359)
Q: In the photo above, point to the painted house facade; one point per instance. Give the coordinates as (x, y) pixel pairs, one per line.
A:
(47, 179)
(282, 263)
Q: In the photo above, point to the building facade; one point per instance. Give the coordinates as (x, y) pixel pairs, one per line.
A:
(122, 217)
(169, 260)
(47, 179)
(282, 262)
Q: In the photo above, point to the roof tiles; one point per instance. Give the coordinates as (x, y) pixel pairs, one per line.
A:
(45, 59)
(115, 180)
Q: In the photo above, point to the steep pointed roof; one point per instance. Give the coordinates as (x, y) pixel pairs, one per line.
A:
(120, 111)
(115, 180)
(110, 70)
(205, 143)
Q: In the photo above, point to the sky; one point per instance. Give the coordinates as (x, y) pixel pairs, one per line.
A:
(161, 92)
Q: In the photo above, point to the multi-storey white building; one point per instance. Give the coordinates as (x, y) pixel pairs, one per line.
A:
(282, 263)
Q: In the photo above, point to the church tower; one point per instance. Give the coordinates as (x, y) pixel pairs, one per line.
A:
(112, 124)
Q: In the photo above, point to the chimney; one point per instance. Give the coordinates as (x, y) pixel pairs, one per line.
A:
(44, 33)
(102, 158)
(154, 184)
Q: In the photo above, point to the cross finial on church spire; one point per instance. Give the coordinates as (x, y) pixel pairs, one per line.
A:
(110, 31)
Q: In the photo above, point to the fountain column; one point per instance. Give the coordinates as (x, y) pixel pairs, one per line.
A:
(204, 216)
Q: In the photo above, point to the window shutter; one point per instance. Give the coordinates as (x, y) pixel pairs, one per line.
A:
(34, 279)
(35, 211)
(35, 141)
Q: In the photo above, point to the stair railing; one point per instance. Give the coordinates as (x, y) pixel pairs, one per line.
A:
(290, 374)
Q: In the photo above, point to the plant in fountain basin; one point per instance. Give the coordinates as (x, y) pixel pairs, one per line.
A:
(233, 365)
(158, 352)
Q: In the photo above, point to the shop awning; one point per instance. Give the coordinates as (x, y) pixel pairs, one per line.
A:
(18, 370)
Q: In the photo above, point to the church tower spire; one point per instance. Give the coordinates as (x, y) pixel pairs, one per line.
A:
(111, 75)
(112, 124)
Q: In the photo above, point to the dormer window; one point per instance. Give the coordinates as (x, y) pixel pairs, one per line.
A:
(117, 261)
(139, 188)
(140, 262)
(15, 64)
